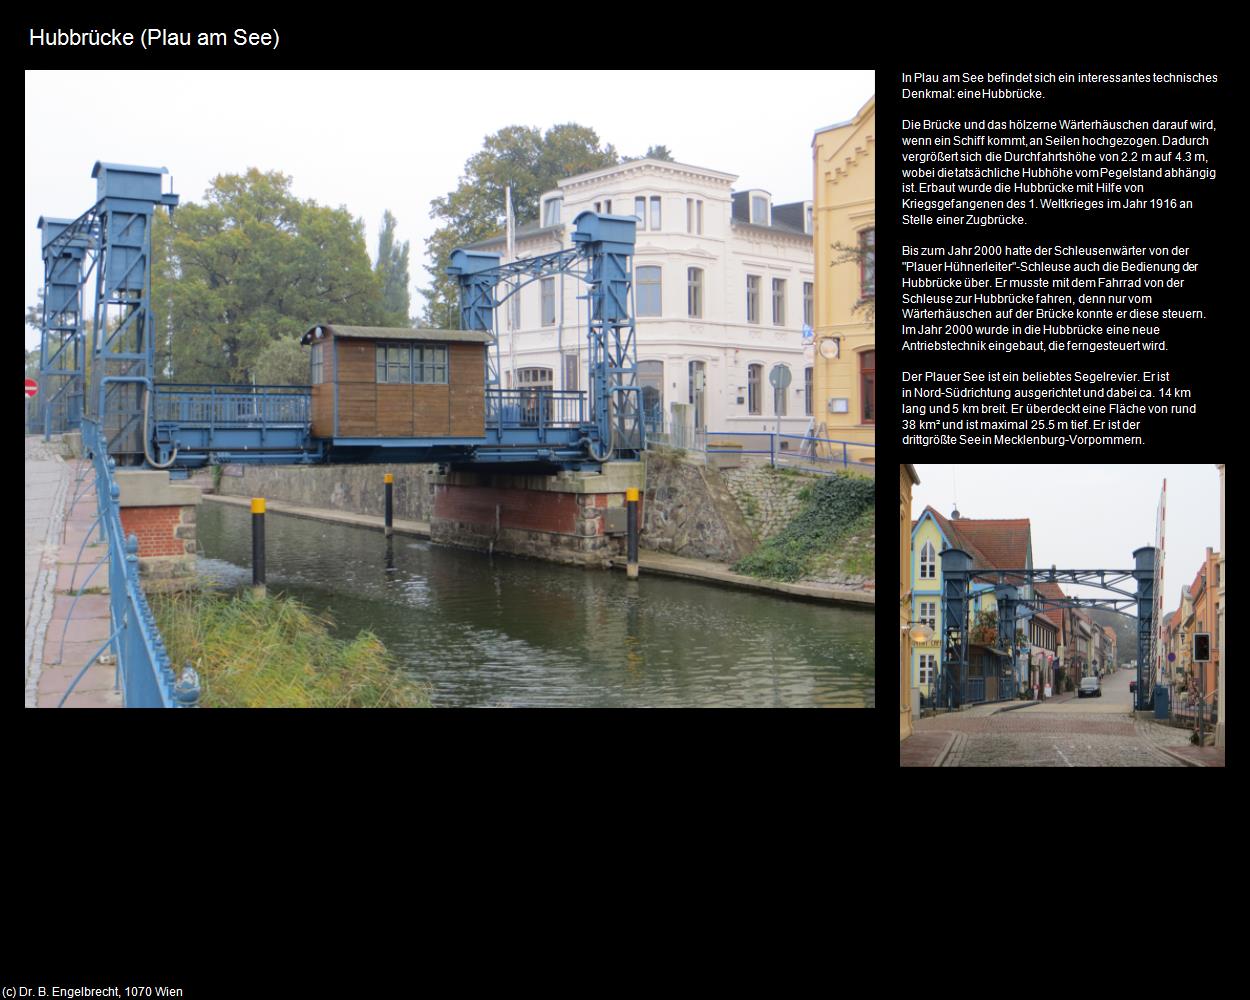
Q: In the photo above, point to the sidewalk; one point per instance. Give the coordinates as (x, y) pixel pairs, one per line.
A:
(925, 749)
(1197, 756)
(54, 536)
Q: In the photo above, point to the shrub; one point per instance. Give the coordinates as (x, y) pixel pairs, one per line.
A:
(830, 510)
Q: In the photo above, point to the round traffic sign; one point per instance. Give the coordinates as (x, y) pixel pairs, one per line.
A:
(779, 377)
(32, 387)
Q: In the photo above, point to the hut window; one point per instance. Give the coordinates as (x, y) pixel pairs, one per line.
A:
(394, 363)
(318, 364)
(404, 364)
(429, 364)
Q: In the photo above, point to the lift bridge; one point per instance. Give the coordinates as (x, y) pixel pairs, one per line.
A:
(180, 427)
(956, 688)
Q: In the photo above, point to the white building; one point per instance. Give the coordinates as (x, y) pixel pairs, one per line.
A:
(722, 288)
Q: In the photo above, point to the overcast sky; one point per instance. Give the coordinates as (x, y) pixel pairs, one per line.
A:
(378, 140)
(1089, 516)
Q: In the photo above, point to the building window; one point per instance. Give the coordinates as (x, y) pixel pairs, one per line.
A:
(928, 562)
(807, 390)
(551, 211)
(694, 216)
(928, 668)
(651, 378)
(759, 210)
(928, 614)
(807, 304)
(655, 212)
(640, 212)
(533, 378)
(648, 291)
(779, 302)
(755, 375)
(868, 264)
(694, 292)
(868, 386)
(807, 218)
(604, 207)
(779, 398)
(549, 301)
(753, 298)
(570, 371)
(318, 364)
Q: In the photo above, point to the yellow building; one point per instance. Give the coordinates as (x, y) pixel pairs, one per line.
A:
(844, 375)
(1219, 731)
(906, 479)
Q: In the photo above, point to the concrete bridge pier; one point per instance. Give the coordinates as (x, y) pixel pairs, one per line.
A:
(570, 517)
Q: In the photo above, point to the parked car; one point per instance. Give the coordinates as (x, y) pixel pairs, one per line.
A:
(1090, 686)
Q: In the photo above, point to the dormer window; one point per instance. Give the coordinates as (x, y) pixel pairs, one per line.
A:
(760, 209)
(807, 217)
(551, 211)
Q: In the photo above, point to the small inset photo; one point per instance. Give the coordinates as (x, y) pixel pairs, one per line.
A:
(1061, 615)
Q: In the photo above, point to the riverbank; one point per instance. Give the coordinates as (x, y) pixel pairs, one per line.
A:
(648, 562)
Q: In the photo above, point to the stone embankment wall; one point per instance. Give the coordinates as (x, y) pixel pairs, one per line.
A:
(768, 498)
(688, 511)
(357, 489)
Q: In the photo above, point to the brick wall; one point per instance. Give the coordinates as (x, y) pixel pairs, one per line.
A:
(528, 510)
(162, 531)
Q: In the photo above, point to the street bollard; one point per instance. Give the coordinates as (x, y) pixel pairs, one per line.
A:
(631, 504)
(258, 547)
(390, 487)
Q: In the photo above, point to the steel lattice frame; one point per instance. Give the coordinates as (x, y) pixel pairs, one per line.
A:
(602, 257)
(958, 574)
(118, 227)
(62, 343)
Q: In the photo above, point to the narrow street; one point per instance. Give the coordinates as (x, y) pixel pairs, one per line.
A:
(1066, 732)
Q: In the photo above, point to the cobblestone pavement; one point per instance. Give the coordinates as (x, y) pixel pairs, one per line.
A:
(1033, 737)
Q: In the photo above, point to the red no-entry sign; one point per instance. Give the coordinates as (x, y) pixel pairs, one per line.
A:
(32, 387)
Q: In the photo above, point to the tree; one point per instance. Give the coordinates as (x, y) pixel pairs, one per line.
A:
(528, 160)
(654, 153)
(250, 266)
(392, 271)
(282, 362)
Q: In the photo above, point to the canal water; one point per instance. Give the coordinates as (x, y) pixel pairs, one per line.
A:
(509, 632)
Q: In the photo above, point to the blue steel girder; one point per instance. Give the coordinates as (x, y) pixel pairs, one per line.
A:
(61, 343)
(123, 324)
(1106, 579)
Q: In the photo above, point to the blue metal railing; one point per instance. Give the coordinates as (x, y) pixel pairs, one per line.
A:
(144, 672)
(508, 409)
(794, 450)
(233, 405)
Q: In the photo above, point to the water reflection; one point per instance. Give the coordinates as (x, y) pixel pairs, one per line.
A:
(485, 630)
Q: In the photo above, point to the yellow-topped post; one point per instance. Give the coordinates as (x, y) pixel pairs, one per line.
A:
(389, 479)
(258, 546)
(631, 504)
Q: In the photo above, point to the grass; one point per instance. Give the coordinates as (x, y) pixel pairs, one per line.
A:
(273, 652)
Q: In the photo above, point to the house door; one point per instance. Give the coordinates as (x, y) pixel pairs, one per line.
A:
(698, 387)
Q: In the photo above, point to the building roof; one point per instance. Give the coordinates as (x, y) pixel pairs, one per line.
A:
(1054, 592)
(521, 232)
(395, 333)
(993, 544)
